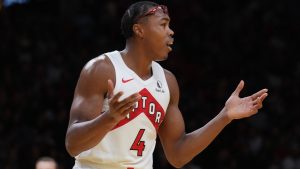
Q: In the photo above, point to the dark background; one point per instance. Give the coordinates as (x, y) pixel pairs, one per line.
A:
(45, 43)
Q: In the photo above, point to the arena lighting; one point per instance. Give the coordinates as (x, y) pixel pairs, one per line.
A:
(7, 3)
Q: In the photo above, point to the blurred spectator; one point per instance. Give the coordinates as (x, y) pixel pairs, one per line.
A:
(46, 163)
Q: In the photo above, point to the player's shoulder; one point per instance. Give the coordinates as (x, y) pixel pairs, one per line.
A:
(99, 62)
(172, 84)
(99, 67)
(169, 76)
(171, 80)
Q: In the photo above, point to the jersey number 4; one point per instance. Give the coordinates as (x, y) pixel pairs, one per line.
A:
(138, 145)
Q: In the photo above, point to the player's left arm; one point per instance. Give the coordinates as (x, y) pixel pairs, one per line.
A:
(180, 147)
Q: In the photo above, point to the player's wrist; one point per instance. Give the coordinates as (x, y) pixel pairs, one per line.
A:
(111, 120)
(225, 115)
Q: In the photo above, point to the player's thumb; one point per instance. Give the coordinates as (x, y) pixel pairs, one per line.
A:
(110, 88)
(239, 88)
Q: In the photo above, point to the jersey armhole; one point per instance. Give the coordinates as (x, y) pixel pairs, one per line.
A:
(117, 74)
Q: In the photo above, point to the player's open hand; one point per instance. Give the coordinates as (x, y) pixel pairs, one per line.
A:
(237, 108)
(118, 110)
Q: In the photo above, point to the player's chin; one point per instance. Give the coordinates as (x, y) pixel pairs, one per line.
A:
(163, 57)
(166, 54)
(162, 54)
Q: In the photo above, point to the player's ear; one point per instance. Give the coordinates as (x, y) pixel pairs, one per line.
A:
(138, 30)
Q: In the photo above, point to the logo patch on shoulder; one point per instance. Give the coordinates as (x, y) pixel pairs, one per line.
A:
(159, 87)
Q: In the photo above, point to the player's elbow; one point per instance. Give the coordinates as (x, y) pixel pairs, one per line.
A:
(177, 162)
(71, 149)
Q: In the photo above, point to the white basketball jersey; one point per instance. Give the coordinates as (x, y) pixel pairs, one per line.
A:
(130, 144)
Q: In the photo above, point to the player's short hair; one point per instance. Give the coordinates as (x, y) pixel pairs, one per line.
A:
(132, 14)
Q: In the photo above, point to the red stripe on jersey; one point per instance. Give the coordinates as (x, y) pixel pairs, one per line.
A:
(149, 106)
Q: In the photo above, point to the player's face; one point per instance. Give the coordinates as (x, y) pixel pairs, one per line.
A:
(158, 35)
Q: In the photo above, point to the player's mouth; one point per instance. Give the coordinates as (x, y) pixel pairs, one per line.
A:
(169, 44)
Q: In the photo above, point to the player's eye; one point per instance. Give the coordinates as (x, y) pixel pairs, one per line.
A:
(164, 24)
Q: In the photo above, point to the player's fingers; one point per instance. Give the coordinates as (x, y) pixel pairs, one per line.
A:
(259, 94)
(128, 110)
(238, 88)
(110, 88)
(115, 98)
(263, 97)
(258, 102)
(257, 106)
(129, 100)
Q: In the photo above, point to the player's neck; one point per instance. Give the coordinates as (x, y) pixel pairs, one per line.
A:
(137, 60)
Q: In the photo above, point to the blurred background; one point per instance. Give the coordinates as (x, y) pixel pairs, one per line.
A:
(45, 43)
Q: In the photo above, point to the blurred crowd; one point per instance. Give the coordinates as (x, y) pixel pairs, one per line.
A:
(44, 45)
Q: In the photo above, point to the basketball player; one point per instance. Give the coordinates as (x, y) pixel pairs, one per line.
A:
(123, 99)
(45, 163)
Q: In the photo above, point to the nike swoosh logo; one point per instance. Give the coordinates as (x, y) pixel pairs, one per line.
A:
(127, 80)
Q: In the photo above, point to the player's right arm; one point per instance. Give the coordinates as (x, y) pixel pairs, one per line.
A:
(88, 124)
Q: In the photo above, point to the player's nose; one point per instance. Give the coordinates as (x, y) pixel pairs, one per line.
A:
(170, 32)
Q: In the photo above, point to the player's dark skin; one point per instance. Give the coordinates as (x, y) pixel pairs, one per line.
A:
(151, 42)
